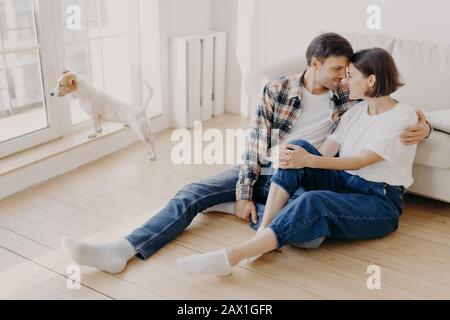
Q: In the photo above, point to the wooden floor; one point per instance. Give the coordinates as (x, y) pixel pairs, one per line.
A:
(105, 200)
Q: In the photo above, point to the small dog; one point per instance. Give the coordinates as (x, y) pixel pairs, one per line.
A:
(102, 107)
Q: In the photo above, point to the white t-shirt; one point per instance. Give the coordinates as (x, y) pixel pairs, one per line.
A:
(314, 124)
(358, 130)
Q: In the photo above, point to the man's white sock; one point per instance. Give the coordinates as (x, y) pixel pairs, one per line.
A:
(215, 263)
(109, 257)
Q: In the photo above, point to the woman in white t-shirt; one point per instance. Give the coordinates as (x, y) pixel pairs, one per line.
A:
(316, 195)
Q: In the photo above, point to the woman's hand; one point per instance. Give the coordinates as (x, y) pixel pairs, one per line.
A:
(294, 157)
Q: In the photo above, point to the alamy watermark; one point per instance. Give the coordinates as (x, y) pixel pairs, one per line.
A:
(374, 19)
(73, 277)
(213, 146)
(374, 280)
(73, 21)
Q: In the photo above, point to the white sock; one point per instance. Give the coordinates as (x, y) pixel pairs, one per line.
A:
(215, 262)
(109, 257)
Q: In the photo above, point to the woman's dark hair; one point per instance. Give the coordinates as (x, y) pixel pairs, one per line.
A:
(327, 45)
(378, 62)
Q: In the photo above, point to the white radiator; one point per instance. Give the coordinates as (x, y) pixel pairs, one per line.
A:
(197, 78)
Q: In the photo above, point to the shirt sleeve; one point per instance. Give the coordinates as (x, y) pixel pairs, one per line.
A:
(256, 146)
(386, 142)
(389, 149)
(338, 135)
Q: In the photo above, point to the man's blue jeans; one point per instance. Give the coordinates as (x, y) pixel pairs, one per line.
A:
(334, 204)
(179, 213)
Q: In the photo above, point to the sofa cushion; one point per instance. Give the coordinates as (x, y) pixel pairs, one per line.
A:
(435, 151)
(361, 41)
(367, 41)
(425, 68)
(440, 120)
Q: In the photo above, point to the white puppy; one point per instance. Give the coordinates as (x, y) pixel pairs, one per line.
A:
(102, 107)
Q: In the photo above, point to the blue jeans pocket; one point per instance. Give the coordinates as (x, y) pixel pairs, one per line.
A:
(396, 195)
(356, 184)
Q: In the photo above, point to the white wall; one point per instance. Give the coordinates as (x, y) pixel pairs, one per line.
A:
(225, 14)
(278, 29)
(179, 17)
(298, 21)
(150, 54)
(284, 28)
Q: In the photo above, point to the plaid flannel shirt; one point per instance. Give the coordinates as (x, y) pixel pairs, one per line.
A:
(277, 113)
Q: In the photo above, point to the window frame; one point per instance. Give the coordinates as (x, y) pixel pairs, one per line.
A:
(49, 22)
(46, 49)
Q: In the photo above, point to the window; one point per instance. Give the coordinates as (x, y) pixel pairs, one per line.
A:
(22, 101)
(104, 46)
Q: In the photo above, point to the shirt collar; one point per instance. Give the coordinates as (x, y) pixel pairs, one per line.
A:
(295, 91)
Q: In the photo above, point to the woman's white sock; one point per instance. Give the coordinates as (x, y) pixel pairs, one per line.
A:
(209, 263)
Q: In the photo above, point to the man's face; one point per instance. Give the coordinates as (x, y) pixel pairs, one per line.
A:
(332, 71)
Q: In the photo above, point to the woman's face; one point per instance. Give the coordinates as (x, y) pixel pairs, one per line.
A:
(358, 84)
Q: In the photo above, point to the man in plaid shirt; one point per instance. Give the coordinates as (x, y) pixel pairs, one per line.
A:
(291, 104)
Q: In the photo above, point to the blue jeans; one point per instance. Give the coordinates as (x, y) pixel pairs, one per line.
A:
(179, 213)
(334, 204)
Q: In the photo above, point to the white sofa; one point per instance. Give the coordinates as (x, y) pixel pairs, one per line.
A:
(425, 68)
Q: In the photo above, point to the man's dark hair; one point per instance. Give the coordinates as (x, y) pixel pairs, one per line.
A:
(378, 62)
(327, 45)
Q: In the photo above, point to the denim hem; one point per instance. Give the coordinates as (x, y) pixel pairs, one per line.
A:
(281, 242)
(140, 254)
(141, 248)
(282, 184)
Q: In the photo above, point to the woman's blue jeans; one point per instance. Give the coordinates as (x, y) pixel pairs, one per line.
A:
(334, 204)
